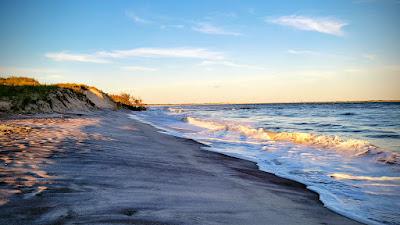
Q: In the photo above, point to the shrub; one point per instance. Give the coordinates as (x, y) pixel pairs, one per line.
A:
(75, 87)
(126, 100)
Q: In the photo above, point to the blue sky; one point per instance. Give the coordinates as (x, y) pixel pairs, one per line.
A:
(209, 51)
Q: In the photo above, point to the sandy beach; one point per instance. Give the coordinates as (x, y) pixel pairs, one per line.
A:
(105, 168)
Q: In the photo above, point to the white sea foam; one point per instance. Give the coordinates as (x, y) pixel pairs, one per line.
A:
(175, 110)
(344, 171)
(356, 147)
(343, 176)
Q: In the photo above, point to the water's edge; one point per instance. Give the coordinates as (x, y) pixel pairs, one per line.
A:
(207, 147)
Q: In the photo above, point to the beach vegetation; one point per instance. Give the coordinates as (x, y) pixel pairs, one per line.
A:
(18, 81)
(22, 91)
(125, 100)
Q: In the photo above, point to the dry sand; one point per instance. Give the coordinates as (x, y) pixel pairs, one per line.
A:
(105, 168)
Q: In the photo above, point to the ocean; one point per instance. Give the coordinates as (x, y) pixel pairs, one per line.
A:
(349, 153)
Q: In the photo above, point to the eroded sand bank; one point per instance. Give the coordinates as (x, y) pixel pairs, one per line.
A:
(105, 168)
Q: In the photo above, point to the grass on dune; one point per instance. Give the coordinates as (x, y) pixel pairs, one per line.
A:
(25, 90)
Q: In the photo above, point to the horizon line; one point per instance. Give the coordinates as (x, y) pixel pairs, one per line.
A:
(262, 103)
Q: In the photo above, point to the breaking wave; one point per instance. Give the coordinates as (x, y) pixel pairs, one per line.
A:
(175, 110)
(353, 147)
(344, 152)
(343, 176)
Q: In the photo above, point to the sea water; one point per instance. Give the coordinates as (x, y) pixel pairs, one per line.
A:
(349, 153)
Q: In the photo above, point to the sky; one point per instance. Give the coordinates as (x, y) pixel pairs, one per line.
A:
(210, 51)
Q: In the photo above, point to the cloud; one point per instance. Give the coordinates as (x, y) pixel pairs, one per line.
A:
(199, 53)
(303, 52)
(211, 29)
(322, 25)
(136, 19)
(104, 56)
(380, 70)
(220, 15)
(44, 73)
(138, 69)
(371, 57)
(229, 64)
(161, 21)
(311, 53)
(29, 70)
(175, 26)
(64, 56)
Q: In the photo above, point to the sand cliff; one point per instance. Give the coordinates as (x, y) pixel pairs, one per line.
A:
(59, 100)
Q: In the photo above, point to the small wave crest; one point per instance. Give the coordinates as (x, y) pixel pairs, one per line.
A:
(175, 110)
(354, 147)
(343, 176)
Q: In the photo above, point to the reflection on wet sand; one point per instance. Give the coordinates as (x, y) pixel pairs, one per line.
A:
(27, 146)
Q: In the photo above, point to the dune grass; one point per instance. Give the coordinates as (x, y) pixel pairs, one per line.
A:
(19, 81)
(24, 90)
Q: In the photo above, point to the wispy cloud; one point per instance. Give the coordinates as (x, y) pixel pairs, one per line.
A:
(30, 70)
(323, 25)
(138, 69)
(136, 19)
(380, 70)
(199, 53)
(65, 56)
(221, 15)
(175, 26)
(303, 52)
(44, 73)
(229, 64)
(371, 57)
(208, 28)
(105, 56)
(162, 22)
(311, 53)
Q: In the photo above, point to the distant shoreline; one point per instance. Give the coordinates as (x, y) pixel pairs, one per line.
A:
(274, 103)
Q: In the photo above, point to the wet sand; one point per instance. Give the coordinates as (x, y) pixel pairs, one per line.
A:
(105, 168)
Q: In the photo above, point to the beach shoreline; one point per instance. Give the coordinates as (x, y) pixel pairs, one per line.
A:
(106, 168)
